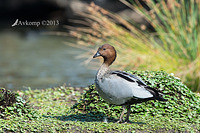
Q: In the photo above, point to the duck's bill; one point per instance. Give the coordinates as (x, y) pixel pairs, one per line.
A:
(97, 54)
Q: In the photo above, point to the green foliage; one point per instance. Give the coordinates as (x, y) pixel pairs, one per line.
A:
(12, 105)
(53, 106)
(182, 103)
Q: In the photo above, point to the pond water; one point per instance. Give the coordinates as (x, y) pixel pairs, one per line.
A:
(40, 61)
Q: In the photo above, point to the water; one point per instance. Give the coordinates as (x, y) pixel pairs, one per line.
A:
(40, 61)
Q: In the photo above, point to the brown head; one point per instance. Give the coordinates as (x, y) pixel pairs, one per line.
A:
(108, 53)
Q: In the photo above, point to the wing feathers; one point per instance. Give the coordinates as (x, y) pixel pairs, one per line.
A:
(132, 78)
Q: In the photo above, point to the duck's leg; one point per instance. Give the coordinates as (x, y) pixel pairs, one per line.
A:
(128, 113)
(122, 114)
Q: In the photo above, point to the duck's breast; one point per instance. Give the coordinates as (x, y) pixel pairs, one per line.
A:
(117, 90)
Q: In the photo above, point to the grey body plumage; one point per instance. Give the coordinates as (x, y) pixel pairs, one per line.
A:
(119, 87)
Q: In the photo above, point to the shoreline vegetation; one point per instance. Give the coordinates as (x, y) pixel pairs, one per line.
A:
(172, 46)
(68, 109)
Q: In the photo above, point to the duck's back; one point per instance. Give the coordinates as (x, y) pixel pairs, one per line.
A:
(118, 87)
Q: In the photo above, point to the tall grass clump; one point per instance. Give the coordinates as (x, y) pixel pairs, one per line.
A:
(134, 46)
(173, 47)
(176, 23)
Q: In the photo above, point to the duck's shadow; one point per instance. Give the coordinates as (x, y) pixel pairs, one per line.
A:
(88, 117)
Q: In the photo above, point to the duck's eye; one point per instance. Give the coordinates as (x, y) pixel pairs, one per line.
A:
(104, 48)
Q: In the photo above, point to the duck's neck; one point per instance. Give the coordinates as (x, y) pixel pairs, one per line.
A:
(102, 71)
(105, 67)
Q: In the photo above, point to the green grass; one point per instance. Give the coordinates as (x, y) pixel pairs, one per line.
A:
(52, 110)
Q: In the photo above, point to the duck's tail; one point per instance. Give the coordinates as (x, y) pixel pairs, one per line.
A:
(160, 98)
(156, 95)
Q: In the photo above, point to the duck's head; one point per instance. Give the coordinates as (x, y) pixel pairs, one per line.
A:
(108, 52)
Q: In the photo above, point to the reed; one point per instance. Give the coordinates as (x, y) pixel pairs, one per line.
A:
(176, 23)
(173, 47)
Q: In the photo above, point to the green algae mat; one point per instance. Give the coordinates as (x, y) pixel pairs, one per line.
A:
(67, 109)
